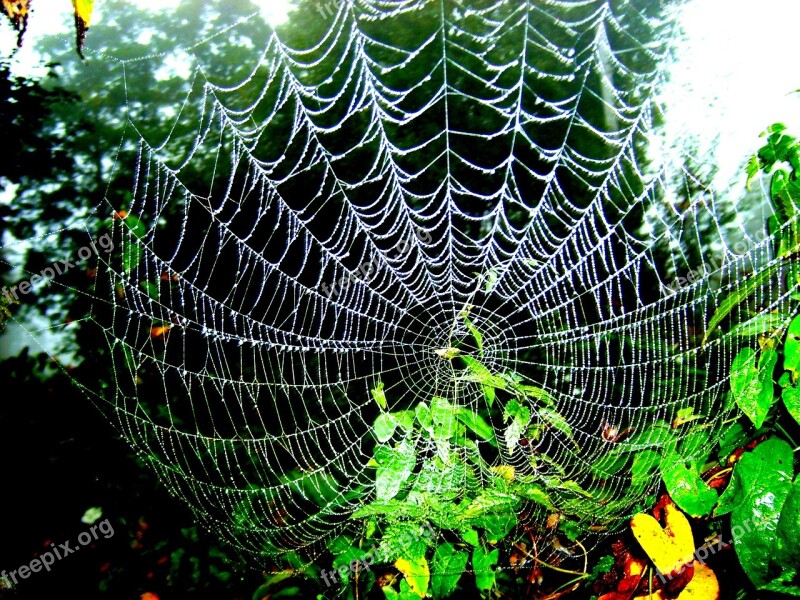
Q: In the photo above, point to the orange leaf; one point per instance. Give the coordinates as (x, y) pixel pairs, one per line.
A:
(17, 12)
(159, 330)
(83, 17)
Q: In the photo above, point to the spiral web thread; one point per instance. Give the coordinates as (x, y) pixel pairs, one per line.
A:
(493, 160)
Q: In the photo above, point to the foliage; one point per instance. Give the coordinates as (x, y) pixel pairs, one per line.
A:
(479, 524)
(756, 451)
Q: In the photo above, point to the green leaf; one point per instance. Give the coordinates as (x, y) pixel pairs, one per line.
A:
(751, 386)
(131, 256)
(758, 325)
(658, 435)
(644, 463)
(384, 427)
(752, 169)
(609, 463)
(476, 423)
(481, 374)
(417, 573)
(448, 566)
(490, 394)
(424, 418)
(470, 536)
(556, 421)
(497, 525)
(538, 393)
(405, 419)
(490, 501)
(786, 555)
(534, 493)
(378, 395)
(346, 558)
(444, 418)
(475, 334)
(791, 348)
(687, 489)
(602, 566)
(483, 564)
(394, 468)
(340, 544)
(289, 592)
(760, 485)
(405, 592)
(395, 509)
(151, 289)
(520, 417)
(791, 400)
(739, 295)
(135, 225)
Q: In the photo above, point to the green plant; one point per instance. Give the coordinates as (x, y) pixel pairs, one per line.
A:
(443, 464)
(763, 496)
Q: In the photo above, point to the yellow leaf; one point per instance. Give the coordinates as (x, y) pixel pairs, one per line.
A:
(505, 471)
(83, 11)
(703, 586)
(669, 548)
(447, 353)
(417, 574)
(17, 11)
(83, 18)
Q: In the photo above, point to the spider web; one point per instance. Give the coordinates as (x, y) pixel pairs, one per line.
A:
(413, 164)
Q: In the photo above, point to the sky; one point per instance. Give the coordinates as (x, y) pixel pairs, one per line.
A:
(736, 73)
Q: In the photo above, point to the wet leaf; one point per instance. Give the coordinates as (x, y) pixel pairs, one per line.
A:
(703, 586)
(417, 574)
(476, 423)
(760, 485)
(737, 296)
(751, 383)
(379, 395)
(791, 349)
(483, 564)
(394, 468)
(786, 554)
(384, 427)
(685, 487)
(470, 536)
(791, 400)
(448, 566)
